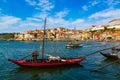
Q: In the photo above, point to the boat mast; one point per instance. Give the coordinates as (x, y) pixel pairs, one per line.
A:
(43, 40)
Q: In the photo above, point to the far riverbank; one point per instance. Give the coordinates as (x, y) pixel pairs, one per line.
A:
(63, 40)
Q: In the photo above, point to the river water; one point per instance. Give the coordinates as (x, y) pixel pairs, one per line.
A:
(81, 71)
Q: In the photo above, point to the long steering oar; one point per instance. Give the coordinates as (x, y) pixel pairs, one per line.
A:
(97, 69)
(98, 51)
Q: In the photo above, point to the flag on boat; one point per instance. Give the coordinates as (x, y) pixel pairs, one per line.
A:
(41, 47)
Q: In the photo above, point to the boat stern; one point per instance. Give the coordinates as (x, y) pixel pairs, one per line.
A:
(16, 61)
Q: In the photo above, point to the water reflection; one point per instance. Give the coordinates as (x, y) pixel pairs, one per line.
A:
(45, 73)
(108, 60)
(48, 70)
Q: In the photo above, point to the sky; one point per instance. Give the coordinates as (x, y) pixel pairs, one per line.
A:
(22, 15)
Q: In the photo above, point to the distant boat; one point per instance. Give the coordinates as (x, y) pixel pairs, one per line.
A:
(46, 62)
(76, 44)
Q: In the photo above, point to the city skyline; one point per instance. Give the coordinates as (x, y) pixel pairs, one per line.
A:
(22, 15)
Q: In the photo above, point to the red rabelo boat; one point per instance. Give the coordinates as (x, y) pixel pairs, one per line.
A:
(49, 62)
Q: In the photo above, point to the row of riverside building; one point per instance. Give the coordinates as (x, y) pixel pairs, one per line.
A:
(110, 32)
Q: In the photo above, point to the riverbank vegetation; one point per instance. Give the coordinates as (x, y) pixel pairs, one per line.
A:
(6, 36)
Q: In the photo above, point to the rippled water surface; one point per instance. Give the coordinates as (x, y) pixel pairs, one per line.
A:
(81, 71)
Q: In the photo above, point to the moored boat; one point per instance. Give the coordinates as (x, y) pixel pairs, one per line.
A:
(46, 62)
(109, 55)
(113, 54)
(74, 45)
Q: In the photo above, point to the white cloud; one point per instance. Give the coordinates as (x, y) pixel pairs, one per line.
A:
(85, 8)
(7, 23)
(94, 3)
(11, 23)
(103, 17)
(8, 20)
(112, 3)
(43, 5)
(78, 21)
(79, 24)
(107, 3)
(41, 15)
(15, 24)
(33, 19)
(90, 5)
(29, 25)
(56, 22)
(62, 14)
(70, 24)
(106, 13)
(31, 2)
(103, 21)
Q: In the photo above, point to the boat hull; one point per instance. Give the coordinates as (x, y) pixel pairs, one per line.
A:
(26, 63)
(73, 46)
(109, 56)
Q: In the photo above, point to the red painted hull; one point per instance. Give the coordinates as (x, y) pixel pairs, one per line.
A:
(47, 64)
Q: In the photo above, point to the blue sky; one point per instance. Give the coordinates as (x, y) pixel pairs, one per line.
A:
(22, 15)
